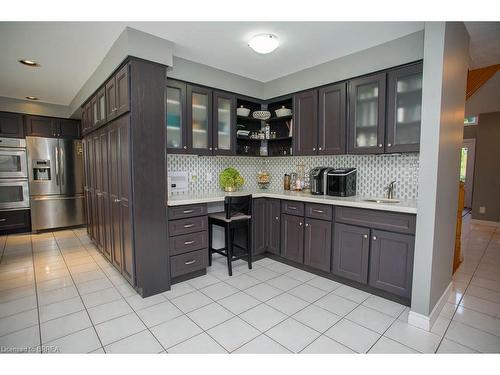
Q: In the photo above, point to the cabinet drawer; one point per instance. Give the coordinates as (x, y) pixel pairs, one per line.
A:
(189, 262)
(189, 225)
(319, 211)
(181, 212)
(14, 220)
(292, 208)
(391, 221)
(188, 242)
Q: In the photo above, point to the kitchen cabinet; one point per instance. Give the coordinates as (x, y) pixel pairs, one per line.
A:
(332, 120)
(176, 121)
(117, 93)
(292, 237)
(305, 123)
(96, 199)
(318, 244)
(110, 95)
(351, 252)
(87, 168)
(367, 114)
(199, 120)
(101, 106)
(14, 221)
(224, 124)
(391, 262)
(68, 128)
(87, 118)
(404, 107)
(11, 125)
(103, 171)
(114, 194)
(259, 225)
(273, 225)
(39, 126)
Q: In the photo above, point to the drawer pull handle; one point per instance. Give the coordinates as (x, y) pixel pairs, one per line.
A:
(188, 225)
(319, 211)
(365, 236)
(292, 207)
(2, 220)
(187, 211)
(188, 242)
(189, 262)
(374, 238)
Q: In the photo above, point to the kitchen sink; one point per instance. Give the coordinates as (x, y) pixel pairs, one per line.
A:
(382, 200)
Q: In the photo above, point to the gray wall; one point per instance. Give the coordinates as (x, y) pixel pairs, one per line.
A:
(33, 107)
(486, 99)
(396, 52)
(446, 57)
(487, 168)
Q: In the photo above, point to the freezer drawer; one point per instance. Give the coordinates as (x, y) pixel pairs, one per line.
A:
(57, 211)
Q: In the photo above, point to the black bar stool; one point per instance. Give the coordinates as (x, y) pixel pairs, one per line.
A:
(237, 215)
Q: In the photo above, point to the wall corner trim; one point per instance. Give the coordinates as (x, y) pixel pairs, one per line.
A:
(426, 322)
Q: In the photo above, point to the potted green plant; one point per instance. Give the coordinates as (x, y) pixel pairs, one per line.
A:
(230, 179)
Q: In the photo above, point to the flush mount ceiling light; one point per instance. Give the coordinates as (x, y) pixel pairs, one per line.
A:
(31, 98)
(264, 43)
(30, 63)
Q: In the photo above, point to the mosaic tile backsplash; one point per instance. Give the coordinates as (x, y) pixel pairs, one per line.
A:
(374, 171)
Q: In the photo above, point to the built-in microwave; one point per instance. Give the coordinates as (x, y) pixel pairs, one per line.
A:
(14, 194)
(13, 158)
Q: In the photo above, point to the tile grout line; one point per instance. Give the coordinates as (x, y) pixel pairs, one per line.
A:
(36, 295)
(463, 294)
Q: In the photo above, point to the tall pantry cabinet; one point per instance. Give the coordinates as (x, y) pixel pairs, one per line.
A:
(125, 175)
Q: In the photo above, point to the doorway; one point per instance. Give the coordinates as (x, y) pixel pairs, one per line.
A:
(467, 169)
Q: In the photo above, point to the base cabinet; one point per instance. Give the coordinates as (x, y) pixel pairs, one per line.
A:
(259, 225)
(318, 244)
(391, 262)
(292, 238)
(273, 225)
(350, 252)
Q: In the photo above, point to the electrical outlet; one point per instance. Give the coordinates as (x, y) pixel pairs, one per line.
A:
(482, 209)
(208, 177)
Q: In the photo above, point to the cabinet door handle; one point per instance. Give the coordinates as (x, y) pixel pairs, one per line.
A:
(389, 145)
(277, 218)
(314, 148)
(192, 261)
(320, 148)
(188, 225)
(292, 208)
(188, 242)
(365, 236)
(307, 224)
(374, 238)
(319, 211)
(117, 200)
(380, 145)
(210, 148)
(300, 223)
(216, 148)
(185, 147)
(2, 220)
(187, 211)
(99, 194)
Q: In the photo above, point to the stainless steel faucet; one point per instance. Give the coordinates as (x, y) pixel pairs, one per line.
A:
(390, 190)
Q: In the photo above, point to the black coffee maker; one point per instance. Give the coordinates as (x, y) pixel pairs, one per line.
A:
(317, 179)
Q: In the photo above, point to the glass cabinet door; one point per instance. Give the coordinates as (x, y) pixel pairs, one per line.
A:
(367, 98)
(224, 123)
(404, 109)
(176, 117)
(199, 120)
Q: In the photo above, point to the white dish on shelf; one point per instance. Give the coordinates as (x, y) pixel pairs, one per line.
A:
(242, 111)
(282, 112)
(261, 115)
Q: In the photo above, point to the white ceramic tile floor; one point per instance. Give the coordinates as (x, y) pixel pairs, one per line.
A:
(57, 289)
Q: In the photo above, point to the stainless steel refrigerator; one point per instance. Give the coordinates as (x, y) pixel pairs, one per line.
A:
(55, 171)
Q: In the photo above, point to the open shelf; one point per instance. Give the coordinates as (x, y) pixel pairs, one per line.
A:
(279, 119)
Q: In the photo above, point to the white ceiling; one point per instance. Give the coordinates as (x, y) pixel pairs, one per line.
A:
(484, 43)
(70, 52)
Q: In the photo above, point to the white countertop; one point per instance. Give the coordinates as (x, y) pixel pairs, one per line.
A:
(406, 206)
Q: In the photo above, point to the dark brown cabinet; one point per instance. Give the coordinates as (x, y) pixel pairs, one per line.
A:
(114, 193)
(391, 262)
(366, 133)
(318, 244)
(224, 124)
(117, 93)
(404, 106)
(68, 128)
(176, 121)
(305, 123)
(101, 106)
(14, 221)
(110, 94)
(199, 120)
(292, 238)
(273, 225)
(332, 120)
(259, 225)
(103, 195)
(350, 252)
(39, 126)
(11, 125)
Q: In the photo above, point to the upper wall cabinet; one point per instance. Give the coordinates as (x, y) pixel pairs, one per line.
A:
(404, 106)
(39, 126)
(11, 125)
(117, 94)
(224, 124)
(332, 120)
(176, 121)
(199, 119)
(305, 123)
(367, 114)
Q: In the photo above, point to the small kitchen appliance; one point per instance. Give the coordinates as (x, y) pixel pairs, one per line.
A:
(341, 182)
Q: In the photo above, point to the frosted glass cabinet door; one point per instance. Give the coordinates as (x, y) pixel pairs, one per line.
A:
(367, 115)
(224, 124)
(404, 109)
(176, 117)
(199, 120)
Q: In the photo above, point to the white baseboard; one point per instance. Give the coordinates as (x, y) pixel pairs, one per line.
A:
(486, 222)
(426, 322)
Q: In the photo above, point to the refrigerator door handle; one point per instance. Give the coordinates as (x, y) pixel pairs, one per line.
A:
(61, 159)
(57, 165)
